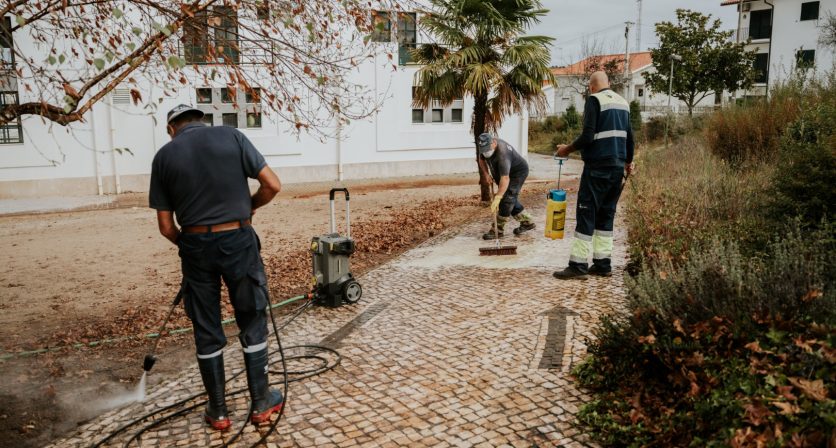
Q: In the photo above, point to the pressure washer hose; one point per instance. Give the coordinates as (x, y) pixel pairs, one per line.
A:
(286, 380)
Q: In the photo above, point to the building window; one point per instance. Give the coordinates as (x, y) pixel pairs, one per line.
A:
(204, 96)
(640, 92)
(11, 132)
(760, 24)
(230, 120)
(253, 119)
(761, 67)
(212, 38)
(226, 97)
(810, 11)
(234, 107)
(253, 96)
(382, 31)
(407, 35)
(436, 113)
(7, 54)
(805, 58)
(456, 115)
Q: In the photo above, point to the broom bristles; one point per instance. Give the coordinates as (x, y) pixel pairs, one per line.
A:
(499, 250)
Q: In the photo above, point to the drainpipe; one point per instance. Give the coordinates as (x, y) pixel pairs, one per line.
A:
(96, 151)
(769, 55)
(522, 131)
(116, 176)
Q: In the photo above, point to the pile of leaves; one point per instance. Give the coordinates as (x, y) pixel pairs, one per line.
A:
(726, 350)
(289, 273)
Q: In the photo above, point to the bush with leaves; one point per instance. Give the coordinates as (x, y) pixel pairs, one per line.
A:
(571, 117)
(726, 350)
(636, 116)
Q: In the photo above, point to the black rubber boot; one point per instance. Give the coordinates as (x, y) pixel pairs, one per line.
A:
(212, 373)
(524, 227)
(265, 401)
(570, 273)
(599, 271)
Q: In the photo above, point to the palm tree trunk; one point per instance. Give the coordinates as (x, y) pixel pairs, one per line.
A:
(480, 109)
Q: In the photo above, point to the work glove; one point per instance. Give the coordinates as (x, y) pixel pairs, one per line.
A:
(495, 204)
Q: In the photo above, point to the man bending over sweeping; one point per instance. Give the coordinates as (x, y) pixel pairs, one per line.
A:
(509, 170)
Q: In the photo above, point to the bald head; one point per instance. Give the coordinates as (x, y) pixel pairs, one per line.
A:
(598, 81)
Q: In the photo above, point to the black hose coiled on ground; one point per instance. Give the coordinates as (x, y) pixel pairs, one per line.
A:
(286, 380)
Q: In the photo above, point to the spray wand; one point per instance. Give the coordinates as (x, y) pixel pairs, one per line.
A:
(151, 358)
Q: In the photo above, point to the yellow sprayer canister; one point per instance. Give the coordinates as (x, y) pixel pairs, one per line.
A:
(556, 206)
(555, 214)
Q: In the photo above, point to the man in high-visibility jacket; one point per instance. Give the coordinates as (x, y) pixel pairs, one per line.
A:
(606, 146)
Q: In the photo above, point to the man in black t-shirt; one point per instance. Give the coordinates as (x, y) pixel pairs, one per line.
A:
(509, 170)
(200, 177)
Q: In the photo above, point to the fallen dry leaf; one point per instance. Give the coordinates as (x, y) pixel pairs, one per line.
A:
(813, 389)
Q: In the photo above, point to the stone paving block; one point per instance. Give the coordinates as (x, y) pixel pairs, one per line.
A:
(452, 359)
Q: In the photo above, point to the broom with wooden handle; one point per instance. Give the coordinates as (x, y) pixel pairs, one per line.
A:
(497, 249)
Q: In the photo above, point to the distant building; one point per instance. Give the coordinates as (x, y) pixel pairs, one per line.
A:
(785, 35)
(39, 158)
(572, 80)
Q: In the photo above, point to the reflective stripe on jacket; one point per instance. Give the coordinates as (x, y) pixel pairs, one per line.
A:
(610, 139)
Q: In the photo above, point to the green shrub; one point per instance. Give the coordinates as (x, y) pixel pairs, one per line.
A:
(707, 346)
(553, 124)
(636, 116)
(803, 185)
(572, 118)
(680, 126)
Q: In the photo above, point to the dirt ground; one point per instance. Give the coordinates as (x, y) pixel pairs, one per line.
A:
(84, 276)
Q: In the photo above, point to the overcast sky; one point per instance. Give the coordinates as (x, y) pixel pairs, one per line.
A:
(570, 20)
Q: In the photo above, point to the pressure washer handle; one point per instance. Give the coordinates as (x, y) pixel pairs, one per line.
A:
(347, 211)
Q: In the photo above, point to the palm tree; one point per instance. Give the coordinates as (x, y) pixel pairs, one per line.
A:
(480, 51)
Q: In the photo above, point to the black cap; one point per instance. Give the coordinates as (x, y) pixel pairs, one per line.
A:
(180, 110)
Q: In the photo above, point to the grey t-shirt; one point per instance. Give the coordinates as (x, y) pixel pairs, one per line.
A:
(506, 161)
(201, 175)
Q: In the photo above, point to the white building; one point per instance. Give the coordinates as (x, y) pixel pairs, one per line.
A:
(571, 87)
(39, 158)
(785, 34)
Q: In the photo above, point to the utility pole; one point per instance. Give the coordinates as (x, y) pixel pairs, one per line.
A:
(639, 28)
(627, 60)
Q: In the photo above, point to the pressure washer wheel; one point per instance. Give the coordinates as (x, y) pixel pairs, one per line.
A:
(352, 291)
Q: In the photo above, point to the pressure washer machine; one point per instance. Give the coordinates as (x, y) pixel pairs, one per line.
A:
(333, 282)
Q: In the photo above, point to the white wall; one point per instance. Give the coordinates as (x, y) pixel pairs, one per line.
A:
(790, 34)
(56, 160)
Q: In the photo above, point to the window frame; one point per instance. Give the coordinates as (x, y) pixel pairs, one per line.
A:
(764, 28)
(809, 15)
(16, 124)
(208, 31)
(7, 41)
(762, 71)
(805, 59)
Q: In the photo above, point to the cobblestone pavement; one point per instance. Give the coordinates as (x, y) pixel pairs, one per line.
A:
(446, 348)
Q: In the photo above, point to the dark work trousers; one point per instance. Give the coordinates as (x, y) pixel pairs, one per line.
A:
(234, 257)
(597, 200)
(510, 204)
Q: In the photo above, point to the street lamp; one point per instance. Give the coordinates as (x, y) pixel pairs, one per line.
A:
(674, 57)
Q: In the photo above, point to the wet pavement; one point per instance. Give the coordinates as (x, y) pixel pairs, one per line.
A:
(446, 348)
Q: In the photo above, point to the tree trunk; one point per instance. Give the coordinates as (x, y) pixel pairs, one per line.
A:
(480, 108)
